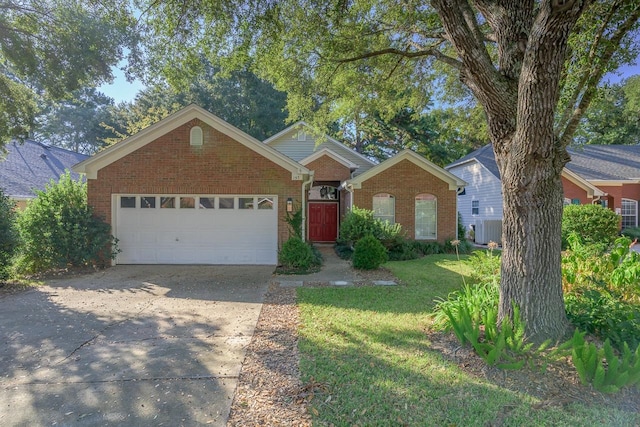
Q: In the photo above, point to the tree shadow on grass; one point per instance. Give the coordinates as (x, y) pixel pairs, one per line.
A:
(373, 375)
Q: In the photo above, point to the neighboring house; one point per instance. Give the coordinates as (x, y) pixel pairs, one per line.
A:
(192, 189)
(604, 174)
(30, 166)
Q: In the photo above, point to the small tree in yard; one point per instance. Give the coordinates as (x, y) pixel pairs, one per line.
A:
(58, 229)
(8, 233)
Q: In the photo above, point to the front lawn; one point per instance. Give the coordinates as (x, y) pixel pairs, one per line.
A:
(368, 359)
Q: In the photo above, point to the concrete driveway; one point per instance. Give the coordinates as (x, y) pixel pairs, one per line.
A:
(131, 346)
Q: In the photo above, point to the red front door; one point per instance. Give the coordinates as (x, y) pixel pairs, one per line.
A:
(323, 222)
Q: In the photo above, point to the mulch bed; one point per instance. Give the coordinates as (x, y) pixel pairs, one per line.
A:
(269, 391)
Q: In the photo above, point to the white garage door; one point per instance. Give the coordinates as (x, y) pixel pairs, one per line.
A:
(196, 229)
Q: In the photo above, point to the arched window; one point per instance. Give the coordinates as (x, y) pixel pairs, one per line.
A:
(196, 136)
(384, 207)
(426, 208)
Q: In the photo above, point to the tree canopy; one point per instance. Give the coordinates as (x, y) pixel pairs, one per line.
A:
(614, 115)
(49, 48)
(77, 122)
(239, 97)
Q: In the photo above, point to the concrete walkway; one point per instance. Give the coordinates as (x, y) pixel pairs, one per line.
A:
(334, 272)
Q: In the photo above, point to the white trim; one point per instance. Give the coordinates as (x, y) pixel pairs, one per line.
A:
(611, 183)
(446, 176)
(622, 216)
(388, 196)
(591, 189)
(473, 159)
(415, 211)
(326, 152)
(93, 164)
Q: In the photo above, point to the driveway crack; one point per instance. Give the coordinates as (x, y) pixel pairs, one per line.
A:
(106, 328)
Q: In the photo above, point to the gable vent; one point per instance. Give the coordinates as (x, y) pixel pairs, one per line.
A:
(196, 136)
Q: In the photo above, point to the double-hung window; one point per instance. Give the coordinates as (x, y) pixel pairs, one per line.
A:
(426, 221)
(629, 213)
(384, 207)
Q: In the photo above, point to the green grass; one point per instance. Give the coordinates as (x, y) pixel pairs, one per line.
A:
(367, 350)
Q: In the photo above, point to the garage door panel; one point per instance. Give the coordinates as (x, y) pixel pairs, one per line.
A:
(197, 236)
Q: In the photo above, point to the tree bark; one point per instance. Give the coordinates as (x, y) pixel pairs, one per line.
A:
(520, 102)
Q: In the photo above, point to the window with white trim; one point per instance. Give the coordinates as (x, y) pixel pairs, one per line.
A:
(426, 223)
(128, 202)
(629, 213)
(384, 207)
(475, 207)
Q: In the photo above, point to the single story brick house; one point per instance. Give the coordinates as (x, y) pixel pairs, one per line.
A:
(192, 189)
(608, 175)
(30, 165)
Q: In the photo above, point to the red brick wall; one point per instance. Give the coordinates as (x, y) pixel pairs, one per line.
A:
(631, 191)
(327, 169)
(170, 165)
(405, 181)
(572, 191)
(614, 196)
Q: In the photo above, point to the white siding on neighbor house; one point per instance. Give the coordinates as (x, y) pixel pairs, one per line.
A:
(482, 186)
(290, 146)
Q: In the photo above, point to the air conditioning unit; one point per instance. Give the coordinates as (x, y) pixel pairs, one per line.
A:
(488, 230)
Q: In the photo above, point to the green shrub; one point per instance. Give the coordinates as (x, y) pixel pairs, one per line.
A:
(427, 248)
(594, 224)
(456, 246)
(632, 232)
(462, 231)
(294, 221)
(404, 252)
(485, 265)
(369, 253)
(359, 223)
(600, 314)
(472, 315)
(343, 250)
(58, 229)
(602, 368)
(8, 233)
(297, 254)
(616, 271)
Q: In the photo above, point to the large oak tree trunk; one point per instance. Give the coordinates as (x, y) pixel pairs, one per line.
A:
(531, 274)
(520, 98)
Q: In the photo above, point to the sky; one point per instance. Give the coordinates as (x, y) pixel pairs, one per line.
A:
(121, 90)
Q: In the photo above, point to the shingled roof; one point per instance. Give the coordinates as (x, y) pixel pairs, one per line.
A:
(606, 162)
(590, 162)
(484, 156)
(31, 165)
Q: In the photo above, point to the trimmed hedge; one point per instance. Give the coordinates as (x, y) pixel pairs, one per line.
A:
(369, 253)
(593, 224)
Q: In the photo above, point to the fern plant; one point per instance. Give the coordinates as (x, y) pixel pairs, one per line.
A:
(602, 368)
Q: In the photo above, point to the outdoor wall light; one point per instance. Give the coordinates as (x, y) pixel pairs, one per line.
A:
(289, 204)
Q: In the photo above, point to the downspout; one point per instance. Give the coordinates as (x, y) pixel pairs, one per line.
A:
(304, 204)
(349, 189)
(458, 191)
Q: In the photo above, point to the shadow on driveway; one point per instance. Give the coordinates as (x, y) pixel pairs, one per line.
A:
(131, 345)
